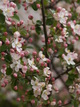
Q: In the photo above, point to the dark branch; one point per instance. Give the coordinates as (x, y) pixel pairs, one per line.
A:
(44, 27)
(66, 71)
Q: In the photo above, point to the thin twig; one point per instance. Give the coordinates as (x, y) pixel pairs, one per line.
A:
(44, 27)
(66, 71)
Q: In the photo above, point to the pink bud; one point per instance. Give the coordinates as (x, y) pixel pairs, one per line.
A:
(12, 50)
(65, 45)
(21, 22)
(34, 53)
(6, 82)
(18, 24)
(18, 99)
(15, 75)
(7, 42)
(59, 102)
(15, 88)
(3, 85)
(38, 6)
(16, 34)
(5, 33)
(30, 17)
(32, 27)
(30, 40)
(33, 101)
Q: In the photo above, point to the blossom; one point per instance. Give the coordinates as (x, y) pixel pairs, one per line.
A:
(75, 27)
(35, 83)
(45, 94)
(59, 39)
(15, 56)
(43, 58)
(8, 11)
(47, 72)
(37, 91)
(30, 1)
(32, 64)
(16, 65)
(49, 87)
(16, 34)
(3, 70)
(61, 16)
(70, 57)
(17, 45)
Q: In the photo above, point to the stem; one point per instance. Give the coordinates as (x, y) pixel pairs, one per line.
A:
(66, 71)
(44, 27)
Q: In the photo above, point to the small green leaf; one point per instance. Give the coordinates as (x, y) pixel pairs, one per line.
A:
(2, 18)
(38, 29)
(8, 58)
(9, 71)
(34, 6)
(16, 17)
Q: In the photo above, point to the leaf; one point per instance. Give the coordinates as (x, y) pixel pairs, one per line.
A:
(38, 29)
(8, 58)
(71, 78)
(16, 17)
(18, 5)
(34, 6)
(38, 22)
(9, 71)
(2, 18)
(49, 21)
(3, 48)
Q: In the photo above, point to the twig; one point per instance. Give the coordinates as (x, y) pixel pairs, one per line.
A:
(66, 71)
(44, 27)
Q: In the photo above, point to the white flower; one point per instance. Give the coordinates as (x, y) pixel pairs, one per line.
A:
(16, 44)
(37, 91)
(16, 65)
(49, 87)
(35, 83)
(59, 39)
(30, 1)
(67, 50)
(32, 64)
(71, 89)
(47, 72)
(78, 69)
(70, 57)
(77, 29)
(8, 11)
(61, 16)
(3, 70)
(43, 58)
(16, 34)
(15, 56)
(45, 94)
(64, 32)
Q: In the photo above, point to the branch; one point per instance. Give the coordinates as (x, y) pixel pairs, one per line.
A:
(44, 27)
(66, 71)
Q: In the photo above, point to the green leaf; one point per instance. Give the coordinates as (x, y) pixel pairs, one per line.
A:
(8, 58)
(3, 48)
(16, 17)
(49, 21)
(34, 6)
(2, 18)
(9, 71)
(18, 5)
(39, 22)
(71, 78)
(38, 29)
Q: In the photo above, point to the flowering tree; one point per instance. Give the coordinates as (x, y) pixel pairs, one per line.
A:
(32, 51)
